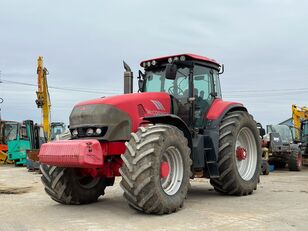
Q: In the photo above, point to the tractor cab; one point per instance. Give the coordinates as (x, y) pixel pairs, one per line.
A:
(192, 82)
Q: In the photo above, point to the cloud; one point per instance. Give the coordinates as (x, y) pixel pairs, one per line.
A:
(261, 43)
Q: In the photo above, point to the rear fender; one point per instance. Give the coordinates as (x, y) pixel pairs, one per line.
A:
(214, 117)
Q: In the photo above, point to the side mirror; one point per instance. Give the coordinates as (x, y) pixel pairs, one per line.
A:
(140, 80)
(262, 132)
(171, 70)
(140, 84)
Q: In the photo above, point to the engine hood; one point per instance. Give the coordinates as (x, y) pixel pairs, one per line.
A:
(122, 114)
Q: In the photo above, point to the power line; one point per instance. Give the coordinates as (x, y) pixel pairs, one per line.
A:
(269, 90)
(61, 88)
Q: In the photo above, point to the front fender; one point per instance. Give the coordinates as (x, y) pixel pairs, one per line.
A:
(174, 121)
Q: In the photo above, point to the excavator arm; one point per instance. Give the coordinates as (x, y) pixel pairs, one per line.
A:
(43, 99)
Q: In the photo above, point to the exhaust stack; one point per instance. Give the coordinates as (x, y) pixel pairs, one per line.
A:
(128, 79)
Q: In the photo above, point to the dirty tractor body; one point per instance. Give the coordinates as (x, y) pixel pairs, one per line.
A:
(176, 128)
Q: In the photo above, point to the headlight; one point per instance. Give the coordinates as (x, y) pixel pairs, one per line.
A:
(176, 58)
(75, 132)
(98, 131)
(170, 60)
(149, 63)
(153, 62)
(89, 132)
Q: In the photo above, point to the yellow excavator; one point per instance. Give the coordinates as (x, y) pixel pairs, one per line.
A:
(300, 120)
(299, 115)
(43, 101)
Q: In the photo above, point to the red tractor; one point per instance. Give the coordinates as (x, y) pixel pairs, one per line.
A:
(175, 128)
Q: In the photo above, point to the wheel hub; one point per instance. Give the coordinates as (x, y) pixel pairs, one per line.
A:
(241, 153)
(171, 170)
(164, 169)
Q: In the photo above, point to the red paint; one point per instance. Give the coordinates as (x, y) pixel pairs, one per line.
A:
(72, 153)
(164, 169)
(192, 56)
(130, 103)
(109, 170)
(114, 148)
(218, 108)
(241, 153)
(79, 153)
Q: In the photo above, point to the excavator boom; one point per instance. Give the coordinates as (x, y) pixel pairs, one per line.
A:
(43, 99)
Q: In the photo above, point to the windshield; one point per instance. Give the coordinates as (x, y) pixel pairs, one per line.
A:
(156, 82)
(10, 131)
(284, 132)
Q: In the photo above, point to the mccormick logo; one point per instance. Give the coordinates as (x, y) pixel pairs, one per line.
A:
(158, 105)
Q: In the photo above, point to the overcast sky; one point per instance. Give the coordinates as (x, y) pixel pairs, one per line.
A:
(263, 44)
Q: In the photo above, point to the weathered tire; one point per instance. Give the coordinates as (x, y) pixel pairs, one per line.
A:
(295, 161)
(236, 180)
(144, 188)
(65, 186)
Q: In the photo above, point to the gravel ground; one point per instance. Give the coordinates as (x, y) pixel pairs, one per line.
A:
(280, 203)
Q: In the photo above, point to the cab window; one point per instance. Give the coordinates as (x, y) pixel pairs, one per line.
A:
(202, 92)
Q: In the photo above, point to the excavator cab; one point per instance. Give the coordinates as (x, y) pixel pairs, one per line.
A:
(8, 131)
(56, 128)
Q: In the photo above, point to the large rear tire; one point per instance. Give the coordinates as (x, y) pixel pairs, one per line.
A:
(239, 157)
(68, 186)
(156, 169)
(295, 161)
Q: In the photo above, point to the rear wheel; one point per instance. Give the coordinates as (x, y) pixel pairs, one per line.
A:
(239, 155)
(156, 169)
(69, 186)
(295, 161)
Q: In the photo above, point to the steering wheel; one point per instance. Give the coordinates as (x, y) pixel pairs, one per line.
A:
(171, 91)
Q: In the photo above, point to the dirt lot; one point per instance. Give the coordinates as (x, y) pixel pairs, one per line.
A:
(280, 203)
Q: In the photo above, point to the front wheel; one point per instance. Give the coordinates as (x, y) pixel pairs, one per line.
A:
(239, 158)
(156, 169)
(69, 186)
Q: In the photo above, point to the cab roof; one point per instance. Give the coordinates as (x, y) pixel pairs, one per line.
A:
(187, 56)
